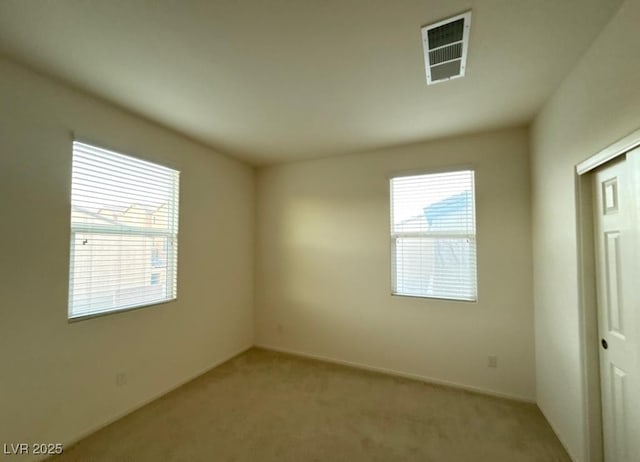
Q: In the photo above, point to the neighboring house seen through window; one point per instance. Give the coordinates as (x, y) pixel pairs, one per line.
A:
(124, 232)
(433, 235)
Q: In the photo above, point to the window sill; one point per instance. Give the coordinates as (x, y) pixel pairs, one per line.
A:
(99, 314)
(440, 299)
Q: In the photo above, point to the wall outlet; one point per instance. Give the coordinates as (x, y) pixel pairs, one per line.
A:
(493, 361)
(121, 379)
(280, 328)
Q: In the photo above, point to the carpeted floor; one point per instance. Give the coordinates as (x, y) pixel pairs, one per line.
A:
(270, 407)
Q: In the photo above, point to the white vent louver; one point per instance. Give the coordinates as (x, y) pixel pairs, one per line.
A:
(445, 48)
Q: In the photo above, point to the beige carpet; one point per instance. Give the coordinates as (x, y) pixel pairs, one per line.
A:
(270, 407)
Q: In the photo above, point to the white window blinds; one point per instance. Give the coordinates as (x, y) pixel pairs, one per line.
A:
(433, 235)
(124, 232)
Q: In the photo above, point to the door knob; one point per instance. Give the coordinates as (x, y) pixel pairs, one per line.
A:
(605, 345)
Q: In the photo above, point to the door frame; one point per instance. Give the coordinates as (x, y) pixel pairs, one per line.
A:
(588, 314)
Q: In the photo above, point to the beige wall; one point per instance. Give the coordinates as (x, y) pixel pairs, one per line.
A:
(597, 104)
(57, 380)
(323, 266)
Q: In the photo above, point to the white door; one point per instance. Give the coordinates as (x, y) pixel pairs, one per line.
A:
(616, 193)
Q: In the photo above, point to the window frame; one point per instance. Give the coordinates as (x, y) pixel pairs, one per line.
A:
(393, 273)
(124, 230)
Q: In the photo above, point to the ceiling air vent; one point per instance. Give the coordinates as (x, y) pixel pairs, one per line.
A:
(445, 48)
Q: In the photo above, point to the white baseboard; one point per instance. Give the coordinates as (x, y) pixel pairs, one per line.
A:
(422, 378)
(68, 443)
(479, 390)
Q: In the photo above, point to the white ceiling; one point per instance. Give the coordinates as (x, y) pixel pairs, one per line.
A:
(280, 80)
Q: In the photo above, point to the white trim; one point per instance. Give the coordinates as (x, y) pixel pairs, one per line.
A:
(588, 327)
(591, 376)
(406, 375)
(618, 148)
(98, 314)
(109, 420)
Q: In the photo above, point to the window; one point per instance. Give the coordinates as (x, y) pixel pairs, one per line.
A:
(433, 235)
(124, 232)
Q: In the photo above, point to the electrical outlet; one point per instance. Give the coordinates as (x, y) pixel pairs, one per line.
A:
(493, 361)
(121, 379)
(280, 329)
